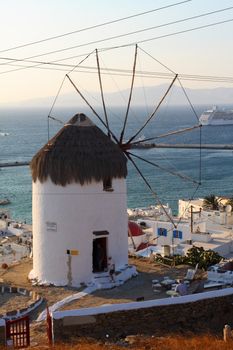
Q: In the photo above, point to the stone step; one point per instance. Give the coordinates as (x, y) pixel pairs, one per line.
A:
(109, 285)
(101, 275)
(102, 280)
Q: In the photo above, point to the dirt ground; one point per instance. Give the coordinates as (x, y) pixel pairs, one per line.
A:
(140, 286)
(137, 287)
(9, 302)
(17, 276)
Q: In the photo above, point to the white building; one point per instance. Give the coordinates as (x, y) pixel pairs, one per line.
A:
(165, 233)
(194, 207)
(202, 228)
(79, 205)
(4, 219)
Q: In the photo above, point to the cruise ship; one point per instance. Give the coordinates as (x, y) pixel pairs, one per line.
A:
(216, 116)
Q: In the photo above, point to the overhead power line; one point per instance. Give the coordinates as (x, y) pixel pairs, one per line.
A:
(184, 31)
(95, 26)
(118, 72)
(140, 31)
(109, 48)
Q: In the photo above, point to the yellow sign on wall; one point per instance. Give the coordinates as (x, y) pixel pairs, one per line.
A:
(72, 252)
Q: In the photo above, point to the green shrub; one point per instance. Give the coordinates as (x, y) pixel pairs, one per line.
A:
(195, 255)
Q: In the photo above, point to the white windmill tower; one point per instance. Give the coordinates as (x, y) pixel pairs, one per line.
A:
(79, 205)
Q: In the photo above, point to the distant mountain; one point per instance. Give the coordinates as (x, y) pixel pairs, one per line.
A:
(152, 94)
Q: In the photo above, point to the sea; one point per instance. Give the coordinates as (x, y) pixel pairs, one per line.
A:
(161, 175)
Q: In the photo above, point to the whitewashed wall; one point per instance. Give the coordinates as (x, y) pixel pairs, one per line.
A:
(211, 216)
(74, 212)
(3, 225)
(168, 240)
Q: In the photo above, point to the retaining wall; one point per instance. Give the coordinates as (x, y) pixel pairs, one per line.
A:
(204, 312)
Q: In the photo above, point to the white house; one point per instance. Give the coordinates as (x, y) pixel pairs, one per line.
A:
(194, 207)
(201, 231)
(165, 234)
(79, 205)
(171, 239)
(4, 219)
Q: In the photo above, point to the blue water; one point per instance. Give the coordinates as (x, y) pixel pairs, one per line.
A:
(28, 131)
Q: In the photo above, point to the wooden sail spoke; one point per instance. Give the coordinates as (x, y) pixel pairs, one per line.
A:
(151, 189)
(182, 176)
(155, 110)
(176, 132)
(130, 95)
(102, 93)
(93, 110)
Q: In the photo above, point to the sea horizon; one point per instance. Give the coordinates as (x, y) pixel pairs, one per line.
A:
(27, 131)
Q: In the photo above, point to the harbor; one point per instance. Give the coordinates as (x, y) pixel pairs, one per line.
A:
(144, 146)
(183, 146)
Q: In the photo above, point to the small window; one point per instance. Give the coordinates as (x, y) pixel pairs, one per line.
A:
(162, 231)
(177, 234)
(107, 184)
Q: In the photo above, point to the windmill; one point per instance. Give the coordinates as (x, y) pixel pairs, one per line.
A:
(77, 213)
(135, 139)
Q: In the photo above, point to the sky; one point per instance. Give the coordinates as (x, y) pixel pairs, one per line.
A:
(208, 51)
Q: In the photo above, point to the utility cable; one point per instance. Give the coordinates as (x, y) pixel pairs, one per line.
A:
(136, 32)
(120, 72)
(125, 45)
(103, 40)
(180, 32)
(166, 35)
(94, 26)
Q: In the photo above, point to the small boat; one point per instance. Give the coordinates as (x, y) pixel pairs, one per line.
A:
(4, 201)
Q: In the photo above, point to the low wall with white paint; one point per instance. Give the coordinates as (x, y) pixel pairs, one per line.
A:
(36, 300)
(199, 312)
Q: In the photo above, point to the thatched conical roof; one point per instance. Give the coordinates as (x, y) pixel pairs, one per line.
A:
(79, 153)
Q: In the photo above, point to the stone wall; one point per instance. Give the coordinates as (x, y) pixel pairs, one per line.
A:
(207, 315)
